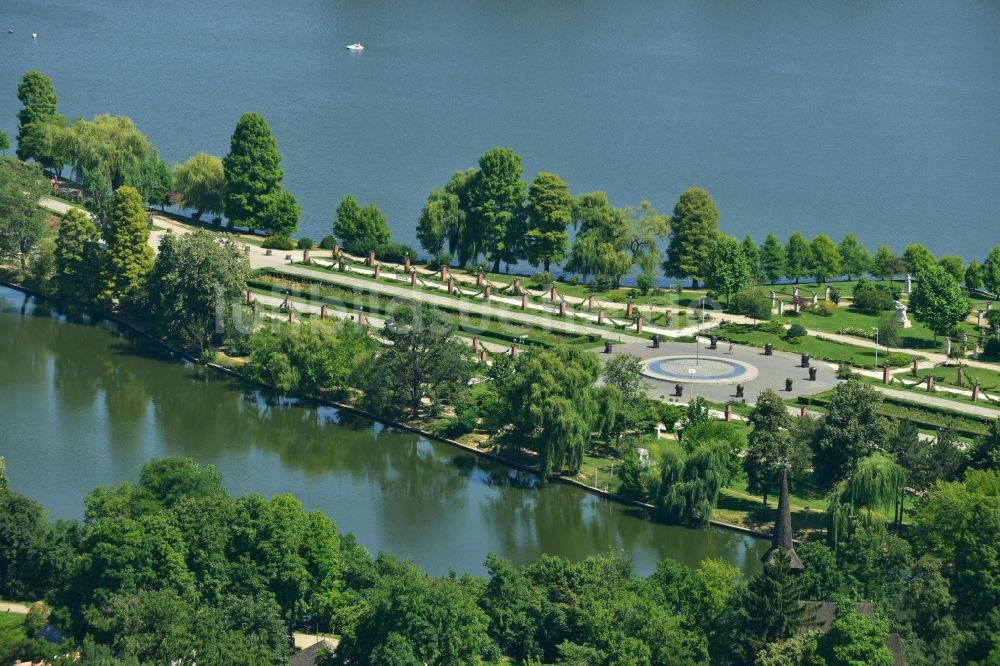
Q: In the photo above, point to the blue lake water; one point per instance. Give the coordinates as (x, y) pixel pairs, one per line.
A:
(877, 118)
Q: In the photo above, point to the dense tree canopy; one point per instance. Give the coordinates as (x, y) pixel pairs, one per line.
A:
(825, 260)
(39, 107)
(550, 210)
(918, 259)
(22, 222)
(727, 268)
(991, 271)
(254, 195)
(129, 258)
(196, 285)
(78, 257)
(772, 259)
(768, 445)
(854, 257)
(938, 300)
(694, 228)
(201, 182)
(360, 228)
(798, 257)
(600, 248)
(496, 199)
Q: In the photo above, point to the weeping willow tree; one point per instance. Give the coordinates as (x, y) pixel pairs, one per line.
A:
(689, 485)
(877, 484)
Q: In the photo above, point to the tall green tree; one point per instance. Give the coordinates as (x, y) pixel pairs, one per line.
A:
(854, 257)
(201, 182)
(772, 259)
(497, 203)
(766, 611)
(918, 259)
(441, 214)
(646, 227)
(752, 253)
(768, 444)
(798, 257)
(974, 275)
(129, 258)
(78, 262)
(106, 150)
(856, 640)
(360, 229)
(22, 222)
(423, 361)
(954, 264)
(851, 429)
(253, 175)
(885, 263)
(694, 229)
(4, 143)
(550, 404)
(39, 106)
(196, 283)
(727, 268)
(550, 210)
(825, 258)
(151, 177)
(991, 271)
(938, 301)
(601, 246)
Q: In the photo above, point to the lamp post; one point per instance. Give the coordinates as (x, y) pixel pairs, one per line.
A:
(876, 345)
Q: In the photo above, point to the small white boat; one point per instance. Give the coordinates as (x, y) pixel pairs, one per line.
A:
(356, 46)
(34, 35)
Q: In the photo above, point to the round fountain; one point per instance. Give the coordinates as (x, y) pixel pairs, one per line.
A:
(699, 370)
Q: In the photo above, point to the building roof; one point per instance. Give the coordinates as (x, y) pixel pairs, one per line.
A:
(781, 536)
(307, 656)
(820, 616)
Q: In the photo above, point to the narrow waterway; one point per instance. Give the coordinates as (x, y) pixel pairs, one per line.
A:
(86, 405)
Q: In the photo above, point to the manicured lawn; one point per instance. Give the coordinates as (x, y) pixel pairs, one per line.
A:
(988, 379)
(825, 350)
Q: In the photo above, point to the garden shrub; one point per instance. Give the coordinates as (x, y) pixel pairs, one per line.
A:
(835, 295)
(394, 252)
(992, 348)
(796, 331)
(794, 340)
(873, 297)
(462, 423)
(774, 327)
(440, 259)
(752, 303)
(305, 243)
(898, 360)
(328, 242)
(865, 333)
(278, 243)
(823, 308)
(543, 280)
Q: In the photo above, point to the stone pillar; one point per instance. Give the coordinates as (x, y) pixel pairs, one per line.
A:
(795, 292)
(514, 351)
(600, 316)
(827, 295)
(249, 297)
(378, 271)
(947, 346)
(729, 412)
(774, 299)
(482, 356)
(590, 302)
(930, 383)
(638, 324)
(803, 410)
(815, 298)
(886, 374)
(979, 318)
(781, 306)
(361, 319)
(291, 316)
(487, 291)
(961, 375)
(628, 310)
(444, 273)
(336, 249)
(322, 312)
(975, 392)
(989, 305)
(562, 308)
(475, 344)
(406, 264)
(451, 285)
(915, 362)
(553, 295)
(517, 285)
(340, 263)
(413, 279)
(286, 304)
(371, 257)
(524, 301)
(305, 256)
(909, 284)
(479, 279)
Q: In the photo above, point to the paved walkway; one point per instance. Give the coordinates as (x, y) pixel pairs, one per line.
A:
(930, 400)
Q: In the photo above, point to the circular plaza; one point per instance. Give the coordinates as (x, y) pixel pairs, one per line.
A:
(690, 369)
